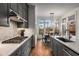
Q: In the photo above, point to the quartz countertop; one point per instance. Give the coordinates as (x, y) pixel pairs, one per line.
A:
(8, 49)
(72, 45)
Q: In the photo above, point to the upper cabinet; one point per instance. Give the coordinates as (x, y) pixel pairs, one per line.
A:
(21, 9)
(31, 16)
(4, 21)
(14, 11)
(19, 6)
(25, 11)
(14, 7)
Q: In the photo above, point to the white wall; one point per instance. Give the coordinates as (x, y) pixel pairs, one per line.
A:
(77, 25)
(76, 12)
(36, 25)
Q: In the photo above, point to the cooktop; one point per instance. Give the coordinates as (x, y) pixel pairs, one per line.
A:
(15, 40)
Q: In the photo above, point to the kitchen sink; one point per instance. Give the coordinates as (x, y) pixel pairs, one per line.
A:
(15, 40)
(63, 39)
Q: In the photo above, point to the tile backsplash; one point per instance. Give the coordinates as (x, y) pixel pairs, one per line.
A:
(8, 32)
(12, 31)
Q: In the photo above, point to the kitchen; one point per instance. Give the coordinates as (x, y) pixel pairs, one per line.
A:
(20, 28)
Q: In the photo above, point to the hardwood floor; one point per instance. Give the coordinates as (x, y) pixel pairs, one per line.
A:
(41, 49)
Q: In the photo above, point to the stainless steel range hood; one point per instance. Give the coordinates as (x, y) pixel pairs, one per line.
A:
(15, 17)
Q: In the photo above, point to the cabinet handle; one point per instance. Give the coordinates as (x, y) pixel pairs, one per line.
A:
(66, 52)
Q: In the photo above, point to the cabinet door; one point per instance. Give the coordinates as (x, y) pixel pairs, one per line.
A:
(14, 7)
(52, 44)
(18, 52)
(24, 10)
(24, 14)
(55, 47)
(59, 49)
(20, 9)
(4, 21)
(28, 46)
(33, 41)
(24, 49)
(31, 16)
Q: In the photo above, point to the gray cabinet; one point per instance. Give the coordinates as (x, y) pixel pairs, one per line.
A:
(31, 17)
(22, 10)
(19, 6)
(29, 46)
(25, 11)
(51, 42)
(24, 50)
(55, 47)
(14, 7)
(4, 21)
(61, 50)
(68, 52)
(33, 41)
(18, 52)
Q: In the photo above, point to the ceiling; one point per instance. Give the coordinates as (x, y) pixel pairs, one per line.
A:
(59, 9)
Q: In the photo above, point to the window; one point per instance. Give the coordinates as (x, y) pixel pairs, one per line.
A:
(45, 23)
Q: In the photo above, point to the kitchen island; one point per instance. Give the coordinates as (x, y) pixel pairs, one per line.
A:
(61, 48)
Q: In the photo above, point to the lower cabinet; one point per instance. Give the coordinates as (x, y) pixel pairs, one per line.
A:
(24, 50)
(54, 47)
(61, 50)
(69, 52)
(17, 52)
(57, 48)
(33, 41)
